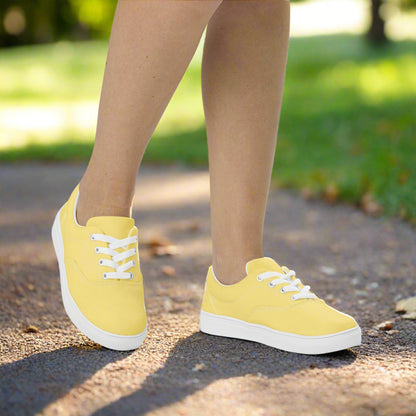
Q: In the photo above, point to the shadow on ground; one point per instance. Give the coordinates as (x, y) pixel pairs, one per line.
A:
(198, 360)
(29, 385)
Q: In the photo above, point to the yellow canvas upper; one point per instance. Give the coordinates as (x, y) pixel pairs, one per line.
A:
(113, 305)
(255, 302)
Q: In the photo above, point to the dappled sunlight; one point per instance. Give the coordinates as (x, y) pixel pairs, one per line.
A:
(24, 119)
(324, 17)
(23, 125)
(328, 17)
(20, 126)
(375, 81)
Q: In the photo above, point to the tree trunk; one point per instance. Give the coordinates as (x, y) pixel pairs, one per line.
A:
(376, 33)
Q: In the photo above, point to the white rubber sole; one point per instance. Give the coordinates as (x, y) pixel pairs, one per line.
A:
(225, 326)
(104, 338)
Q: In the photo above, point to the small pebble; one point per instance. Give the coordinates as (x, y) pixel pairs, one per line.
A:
(372, 333)
(330, 271)
(372, 285)
(361, 293)
(199, 367)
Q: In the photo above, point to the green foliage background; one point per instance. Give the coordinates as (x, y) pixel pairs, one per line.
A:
(51, 20)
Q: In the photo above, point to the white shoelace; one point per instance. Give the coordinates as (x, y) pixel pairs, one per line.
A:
(291, 286)
(116, 257)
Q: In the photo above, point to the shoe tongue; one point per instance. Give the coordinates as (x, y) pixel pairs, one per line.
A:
(262, 264)
(117, 227)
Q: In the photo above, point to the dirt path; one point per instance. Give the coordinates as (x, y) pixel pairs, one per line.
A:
(360, 264)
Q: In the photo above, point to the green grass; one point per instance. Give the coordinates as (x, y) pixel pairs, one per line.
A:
(348, 118)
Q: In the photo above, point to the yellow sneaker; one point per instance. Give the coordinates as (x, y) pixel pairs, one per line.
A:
(271, 306)
(101, 281)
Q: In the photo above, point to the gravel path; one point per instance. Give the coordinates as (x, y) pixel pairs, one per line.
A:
(360, 264)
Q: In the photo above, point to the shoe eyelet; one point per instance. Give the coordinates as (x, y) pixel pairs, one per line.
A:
(282, 290)
(134, 262)
(259, 279)
(97, 250)
(131, 276)
(92, 237)
(105, 275)
(293, 297)
(271, 284)
(100, 262)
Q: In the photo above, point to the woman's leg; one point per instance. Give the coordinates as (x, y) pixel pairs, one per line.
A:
(243, 71)
(150, 48)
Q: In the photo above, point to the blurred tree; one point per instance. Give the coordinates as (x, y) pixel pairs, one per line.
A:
(35, 21)
(376, 32)
(39, 21)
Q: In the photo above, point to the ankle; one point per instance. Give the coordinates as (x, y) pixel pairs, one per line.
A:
(93, 202)
(86, 210)
(230, 269)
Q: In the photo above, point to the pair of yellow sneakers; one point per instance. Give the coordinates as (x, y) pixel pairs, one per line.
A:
(102, 292)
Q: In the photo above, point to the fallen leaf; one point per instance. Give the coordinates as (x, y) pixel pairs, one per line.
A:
(385, 326)
(168, 271)
(194, 226)
(406, 305)
(409, 315)
(158, 241)
(31, 329)
(188, 226)
(370, 206)
(160, 251)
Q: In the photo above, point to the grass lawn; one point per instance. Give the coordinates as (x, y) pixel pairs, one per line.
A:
(348, 124)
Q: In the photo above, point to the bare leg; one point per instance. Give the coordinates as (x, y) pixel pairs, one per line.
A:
(243, 72)
(151, 45)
